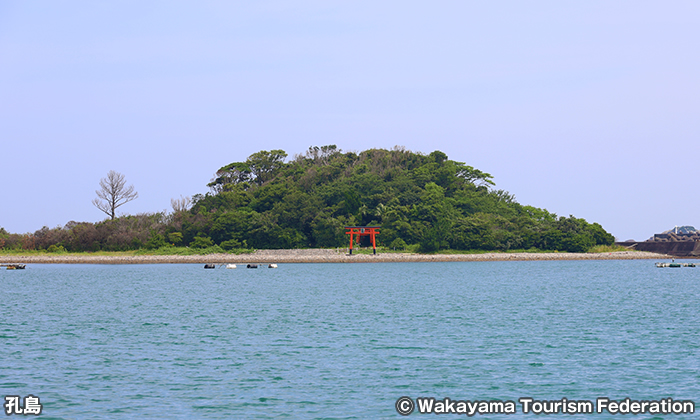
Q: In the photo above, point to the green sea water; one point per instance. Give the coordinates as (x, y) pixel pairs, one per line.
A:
(345, 341)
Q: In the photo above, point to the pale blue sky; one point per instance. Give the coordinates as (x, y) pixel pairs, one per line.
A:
(584, 108)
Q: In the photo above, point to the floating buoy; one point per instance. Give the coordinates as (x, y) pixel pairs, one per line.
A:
(674, 265)
(273, 265)
(251, 266)
(209, 265)
(230, 265)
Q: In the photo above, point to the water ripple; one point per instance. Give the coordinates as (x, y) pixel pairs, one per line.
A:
(344, 341)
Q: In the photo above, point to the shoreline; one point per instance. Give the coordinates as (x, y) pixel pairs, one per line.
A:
(322, 256)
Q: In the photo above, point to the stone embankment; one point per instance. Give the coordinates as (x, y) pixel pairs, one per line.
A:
(320, 256)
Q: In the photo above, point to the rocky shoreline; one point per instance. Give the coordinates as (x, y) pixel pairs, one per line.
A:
(321, 256)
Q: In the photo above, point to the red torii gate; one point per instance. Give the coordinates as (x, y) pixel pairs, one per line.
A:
(360, 231)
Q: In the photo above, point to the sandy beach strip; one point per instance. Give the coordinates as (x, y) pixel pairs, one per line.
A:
(320, 256)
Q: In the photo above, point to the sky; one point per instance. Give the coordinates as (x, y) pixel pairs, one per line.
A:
(587, 108)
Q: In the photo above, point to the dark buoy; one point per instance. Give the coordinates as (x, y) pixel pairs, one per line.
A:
(209, 265)
(251, 266)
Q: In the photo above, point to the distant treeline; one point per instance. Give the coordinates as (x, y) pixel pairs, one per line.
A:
(421, 201)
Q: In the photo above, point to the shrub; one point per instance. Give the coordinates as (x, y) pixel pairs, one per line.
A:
(398, 243)
(155, 241)
(201, 242)
(214, 249)
(175, 238)
(54, 248)
(233, 244)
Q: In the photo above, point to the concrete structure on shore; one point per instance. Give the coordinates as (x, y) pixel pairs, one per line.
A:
(679, 242)
(678, 249)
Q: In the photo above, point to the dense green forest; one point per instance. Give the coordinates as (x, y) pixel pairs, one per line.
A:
(428, 202)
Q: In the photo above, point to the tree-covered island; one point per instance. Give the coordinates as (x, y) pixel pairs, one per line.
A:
(422, 202)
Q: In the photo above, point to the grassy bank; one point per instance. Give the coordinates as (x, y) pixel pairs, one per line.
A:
(609, 248)
(169, 250)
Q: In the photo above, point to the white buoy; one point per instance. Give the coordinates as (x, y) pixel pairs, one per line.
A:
(273, 265)
(230, 265)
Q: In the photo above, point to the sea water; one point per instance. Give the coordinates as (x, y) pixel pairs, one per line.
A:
(345, 341)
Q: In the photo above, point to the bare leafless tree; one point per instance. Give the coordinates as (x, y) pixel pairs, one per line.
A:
(113, 193)
(181, 204)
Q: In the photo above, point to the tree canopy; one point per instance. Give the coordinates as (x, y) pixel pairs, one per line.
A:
(428, 202)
